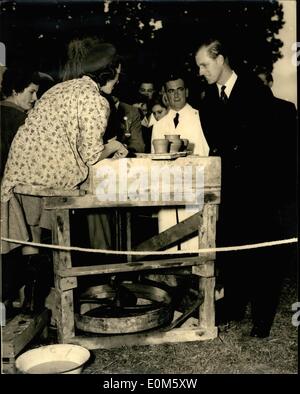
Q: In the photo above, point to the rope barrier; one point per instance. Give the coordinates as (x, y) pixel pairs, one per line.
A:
(155, 253)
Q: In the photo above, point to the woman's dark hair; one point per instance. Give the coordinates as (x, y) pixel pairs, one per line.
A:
(90, 56)
(157, 99)
(106, 74)
(17, 79)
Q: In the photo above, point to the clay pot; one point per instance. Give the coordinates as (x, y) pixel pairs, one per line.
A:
(161, 145)
(175, 146)
(172, 137)
(185, 144)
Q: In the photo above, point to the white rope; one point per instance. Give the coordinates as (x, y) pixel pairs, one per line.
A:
(148, 253)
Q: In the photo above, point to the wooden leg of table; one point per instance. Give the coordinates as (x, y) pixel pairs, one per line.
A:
(128, 234)
(207, 308)
(207, 281)
(62, 260)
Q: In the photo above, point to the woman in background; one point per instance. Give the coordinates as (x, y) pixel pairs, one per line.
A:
(19, 90)
(158, 109)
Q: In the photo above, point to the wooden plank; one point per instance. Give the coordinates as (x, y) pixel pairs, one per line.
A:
(206, 270)
(20, 331)
(128, 235)
(207, 239)
(156, 338)
(211, 195)
(207, 308)
(62, 260)
(68, 283)
(207, 228)
(181, 319)
(171, 235)
(8, 366)
(167, 172)
(134, 266)
(35, 190)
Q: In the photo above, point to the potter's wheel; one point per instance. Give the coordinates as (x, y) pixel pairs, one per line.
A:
(128, 308)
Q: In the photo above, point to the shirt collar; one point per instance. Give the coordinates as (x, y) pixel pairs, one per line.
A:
(182, 110)
(229, 84)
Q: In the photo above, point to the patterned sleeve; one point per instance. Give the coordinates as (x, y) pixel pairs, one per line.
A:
(93, 113)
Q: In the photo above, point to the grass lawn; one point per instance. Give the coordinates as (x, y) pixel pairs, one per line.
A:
(233, 352)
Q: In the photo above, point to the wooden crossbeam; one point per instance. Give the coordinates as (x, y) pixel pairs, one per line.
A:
(34, 190)
(135, 266)
(171, 235)
(146, 338)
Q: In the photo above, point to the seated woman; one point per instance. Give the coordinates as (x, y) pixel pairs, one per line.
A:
(61, 138)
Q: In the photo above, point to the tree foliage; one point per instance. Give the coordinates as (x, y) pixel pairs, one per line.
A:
(150, 34)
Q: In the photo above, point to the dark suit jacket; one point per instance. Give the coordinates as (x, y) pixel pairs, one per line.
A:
(286, 129)
(116, 125)
(12, 117)
(241, 133)
(135, 143)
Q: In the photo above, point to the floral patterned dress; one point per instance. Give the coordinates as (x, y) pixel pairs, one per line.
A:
(61, 137)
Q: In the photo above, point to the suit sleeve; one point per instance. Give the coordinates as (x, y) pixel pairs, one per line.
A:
(136, 142)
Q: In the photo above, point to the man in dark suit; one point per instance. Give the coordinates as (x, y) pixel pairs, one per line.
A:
(237, 118)
(130, 128)
(286, 124)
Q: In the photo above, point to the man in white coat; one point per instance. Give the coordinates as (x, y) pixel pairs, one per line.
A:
(184, 120)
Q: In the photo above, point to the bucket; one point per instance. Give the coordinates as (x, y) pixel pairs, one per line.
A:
(53, 359)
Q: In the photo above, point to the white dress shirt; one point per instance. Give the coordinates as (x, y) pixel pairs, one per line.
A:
(229, 84)
(189, 127)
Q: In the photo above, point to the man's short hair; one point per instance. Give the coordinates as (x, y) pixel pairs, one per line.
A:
(215, 47)
(173, 76)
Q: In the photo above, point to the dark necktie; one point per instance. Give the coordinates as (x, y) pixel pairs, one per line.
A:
(176, 120)
(223, 96)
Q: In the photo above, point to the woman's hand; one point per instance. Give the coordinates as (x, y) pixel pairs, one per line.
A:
(115, 148)
(121, 152)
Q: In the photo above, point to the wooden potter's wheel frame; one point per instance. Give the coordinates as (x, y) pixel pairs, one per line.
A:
(202, 265)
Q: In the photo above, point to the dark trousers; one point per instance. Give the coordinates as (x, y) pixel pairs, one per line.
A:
(253, 275)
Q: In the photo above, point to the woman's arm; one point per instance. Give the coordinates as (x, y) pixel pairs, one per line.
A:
(113, 147)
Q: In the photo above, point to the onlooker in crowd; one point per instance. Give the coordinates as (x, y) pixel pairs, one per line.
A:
(237, 117)
(184, 120)
(158, 109)
(146, 90)
(127, 126)
(19, 87)
(285, 114)
(181, 118)
(61, 138)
